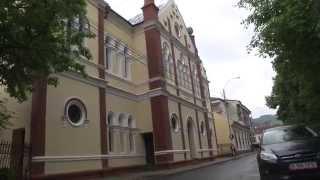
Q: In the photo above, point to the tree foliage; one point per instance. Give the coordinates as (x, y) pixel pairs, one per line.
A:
(38, 38)
(288, 31)
(5, 115)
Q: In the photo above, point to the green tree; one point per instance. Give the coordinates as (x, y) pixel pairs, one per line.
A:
(288, 31)
(5, 115)
(39, 38)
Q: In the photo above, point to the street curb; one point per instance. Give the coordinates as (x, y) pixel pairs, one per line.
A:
(195, 167)
(170, 172)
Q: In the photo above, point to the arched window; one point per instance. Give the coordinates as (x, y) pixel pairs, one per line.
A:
(174, 123)
(110, 131)
(186, 72)
(177, 29)
(167, 61)
(171, 67)
(122, 119)
(131, 134)
(202, 128)
(210, 123)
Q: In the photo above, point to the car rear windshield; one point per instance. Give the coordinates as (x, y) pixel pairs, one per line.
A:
(287, 134)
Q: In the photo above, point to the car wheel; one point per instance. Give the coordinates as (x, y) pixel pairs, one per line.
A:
(265, 177)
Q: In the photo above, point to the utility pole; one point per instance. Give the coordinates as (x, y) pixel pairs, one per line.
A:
(231, 136)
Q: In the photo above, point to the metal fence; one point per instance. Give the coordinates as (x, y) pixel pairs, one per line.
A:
(5, 154)
(14, 156)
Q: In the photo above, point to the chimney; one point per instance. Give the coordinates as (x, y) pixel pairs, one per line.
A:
(150, 10)
(146, 2)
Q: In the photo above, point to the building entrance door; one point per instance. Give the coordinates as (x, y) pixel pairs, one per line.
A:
(149, 148)
(191, 137)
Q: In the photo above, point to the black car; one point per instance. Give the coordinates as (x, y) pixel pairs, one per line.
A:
(289, 152)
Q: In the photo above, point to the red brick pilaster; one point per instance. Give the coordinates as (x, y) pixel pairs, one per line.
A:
(102, 13)
(38, 125)
(159, 104)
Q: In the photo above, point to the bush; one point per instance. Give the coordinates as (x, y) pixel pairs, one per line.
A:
(7, 174)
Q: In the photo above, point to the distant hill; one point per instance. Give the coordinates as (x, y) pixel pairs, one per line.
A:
(267, 120)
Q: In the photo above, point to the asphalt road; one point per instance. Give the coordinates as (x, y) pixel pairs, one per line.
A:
(241, 169)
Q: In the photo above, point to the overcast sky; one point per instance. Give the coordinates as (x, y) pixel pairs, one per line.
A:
(222, 41)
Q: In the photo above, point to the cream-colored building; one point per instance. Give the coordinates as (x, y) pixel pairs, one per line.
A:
(233, 126)
(145, 100)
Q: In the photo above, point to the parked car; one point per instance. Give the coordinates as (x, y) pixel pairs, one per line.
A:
(289, 152)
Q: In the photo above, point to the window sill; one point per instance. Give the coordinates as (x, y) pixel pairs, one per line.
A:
(119, 77)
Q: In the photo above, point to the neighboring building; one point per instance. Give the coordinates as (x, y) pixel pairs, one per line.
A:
(233, 126)
(145, 100)
(262, 123)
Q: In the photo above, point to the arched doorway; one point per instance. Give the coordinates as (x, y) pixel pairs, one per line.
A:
(191, 137)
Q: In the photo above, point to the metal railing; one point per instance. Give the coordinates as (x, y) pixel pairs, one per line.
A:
(14, 157)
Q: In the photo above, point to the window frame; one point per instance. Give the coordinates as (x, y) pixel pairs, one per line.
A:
(174, 123)
(110, 131)
(202, 128)
(132, 142)
(81, 105)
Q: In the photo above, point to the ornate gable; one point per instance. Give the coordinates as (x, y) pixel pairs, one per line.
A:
(172, 20)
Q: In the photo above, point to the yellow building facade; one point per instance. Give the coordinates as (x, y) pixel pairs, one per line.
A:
(145, 100)
(233, 126)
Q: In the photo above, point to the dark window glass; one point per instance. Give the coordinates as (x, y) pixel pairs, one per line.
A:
(131, 142)
(74, 114)
(287, 134)
(110, 134)
(202, 128)
(174, 123)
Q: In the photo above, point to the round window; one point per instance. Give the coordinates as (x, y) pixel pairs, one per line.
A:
(174, 123)
(75, 112)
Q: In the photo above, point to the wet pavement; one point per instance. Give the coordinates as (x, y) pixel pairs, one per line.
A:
(241, 169)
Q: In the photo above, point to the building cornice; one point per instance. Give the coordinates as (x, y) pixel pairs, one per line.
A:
(97, 82)
(93, 81)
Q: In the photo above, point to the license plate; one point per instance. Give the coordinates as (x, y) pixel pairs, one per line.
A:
(302, 166)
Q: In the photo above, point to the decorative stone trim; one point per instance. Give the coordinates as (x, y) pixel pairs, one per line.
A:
(75, 101)
(84, 158)
(185, 92)
(207, 150)
(165, 34)
(159, 153)
(94, 81)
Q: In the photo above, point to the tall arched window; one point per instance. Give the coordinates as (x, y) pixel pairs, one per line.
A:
(171, 67)
(110, 131)
(174, 123)
(203, 128)
(131, 134)
(184, 72)
(122, 119)
(167, 61)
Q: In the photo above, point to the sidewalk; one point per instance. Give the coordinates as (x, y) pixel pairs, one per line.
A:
(166, 172)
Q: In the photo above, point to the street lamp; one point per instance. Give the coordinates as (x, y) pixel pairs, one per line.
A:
(225, 104)
(224, 91)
